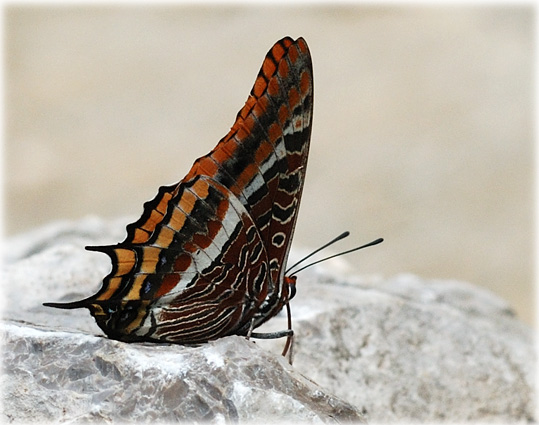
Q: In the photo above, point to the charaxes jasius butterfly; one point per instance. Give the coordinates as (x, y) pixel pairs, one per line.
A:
(207, 257)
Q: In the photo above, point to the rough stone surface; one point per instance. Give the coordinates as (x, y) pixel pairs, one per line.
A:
(416, 350)
(64, 376)
(399, 349)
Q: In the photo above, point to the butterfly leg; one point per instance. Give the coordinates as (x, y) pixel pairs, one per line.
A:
(250, 331)
(267, 335)
(290, 339)
(289, 333)
(273, 335)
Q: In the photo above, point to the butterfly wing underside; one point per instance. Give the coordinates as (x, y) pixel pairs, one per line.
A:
(207, 257)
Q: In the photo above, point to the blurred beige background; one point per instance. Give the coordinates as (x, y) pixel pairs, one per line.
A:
(423, 127)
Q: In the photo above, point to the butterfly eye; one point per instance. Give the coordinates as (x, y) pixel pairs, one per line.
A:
(292, 292)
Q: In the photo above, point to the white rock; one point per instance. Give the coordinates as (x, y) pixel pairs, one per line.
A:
(408, 349)
(64, 376)
(403, 349)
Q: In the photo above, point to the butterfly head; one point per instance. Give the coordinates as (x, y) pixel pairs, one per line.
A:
(290, 281)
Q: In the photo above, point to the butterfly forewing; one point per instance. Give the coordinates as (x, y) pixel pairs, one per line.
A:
(207, 257)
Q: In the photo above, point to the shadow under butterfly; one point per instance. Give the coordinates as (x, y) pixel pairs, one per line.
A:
(207, 258)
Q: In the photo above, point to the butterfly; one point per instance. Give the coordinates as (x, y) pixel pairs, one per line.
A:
(207, 258)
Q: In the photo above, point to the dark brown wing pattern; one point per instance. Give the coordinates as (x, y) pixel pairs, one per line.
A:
(207, 257)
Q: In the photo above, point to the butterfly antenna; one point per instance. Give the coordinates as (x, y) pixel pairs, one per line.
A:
(375, 242)
(331, 242)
